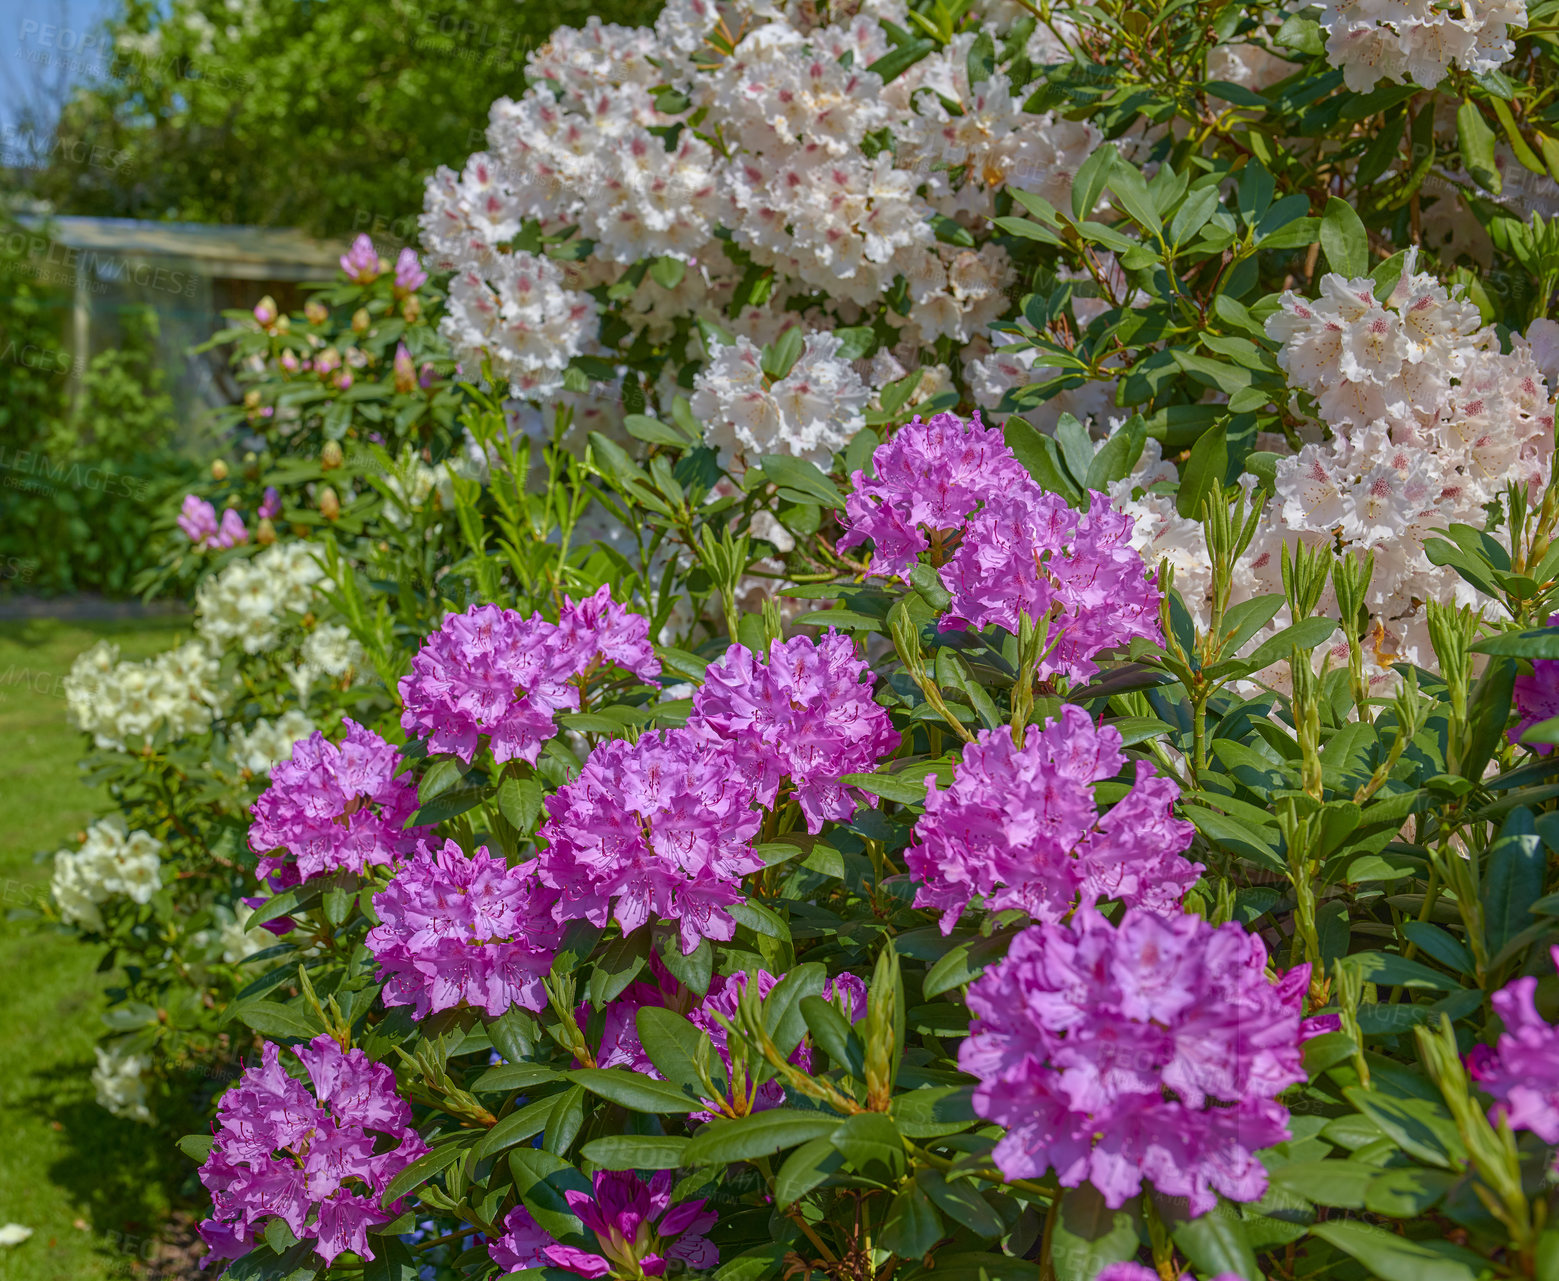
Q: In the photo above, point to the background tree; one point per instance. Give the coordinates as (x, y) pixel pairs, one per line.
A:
(325, 116)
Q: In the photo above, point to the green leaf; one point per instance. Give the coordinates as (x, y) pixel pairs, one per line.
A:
(781, 355)
(1203, 472)
(518, 1127)
(912, 1225)
(634, 1091)
(197, 1147)
(643, 427)
(1476, 140)
(1328, 1182)
(1088, 1236)
(1512, 880)
(1039, 455)
(1542, 642)
(934, 1111)
(803, 477)
(635, 1152)
(834, 1036)
(1394, 1258)
(1343, 239)
(1420, 1128)
(542, 1179)
(982, 58)
(668, 272)
(872, 1144)
(805, 1168)
(1091, 179)
(276, 1021)
(1118, 455)
(1407, 1193)
(1390, 970)
(423, 1169)
(1304, 636)
(762, 1134)
(1216, 1242)
(392, 1261)
(960, 1202)
(693, 969)
(671, 1041)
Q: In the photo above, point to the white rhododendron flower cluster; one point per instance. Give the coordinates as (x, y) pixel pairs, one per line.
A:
(249, 604)
(812, 411)
(111, 861)
(258, 747)
(328, 653)
(120, 1081)
(735, 141)
(177, 691)
(1418, 40)
(1429, 422)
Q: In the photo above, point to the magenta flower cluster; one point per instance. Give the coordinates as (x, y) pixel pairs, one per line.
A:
(333, 809)
(931, 477)
(198, 520)
(1537, 696)
(1019, 827)
(638, 1231)
(1154, 1050)
(409, 275)
(1521, 1072)
(657, 829)
(464, 931)
(318, 1156)
(361, 261)
(807, 715)
(1028, 554)
(492, 672)
(1005, 548)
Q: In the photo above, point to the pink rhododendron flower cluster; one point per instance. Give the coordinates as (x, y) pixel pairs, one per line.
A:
(657, 829)
(1019, 826)
(806, 715)
(931, 477)
(455, 930)
(1522, 1070)
(198, 520)
(638, 1231)
(490, 671)
(1010, 549)
(1027, 553)
(1537, 696)
(316, 1156)
(333, 809)
(1153, 1050)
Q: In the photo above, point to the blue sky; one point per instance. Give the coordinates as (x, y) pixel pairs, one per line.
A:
(43, 44)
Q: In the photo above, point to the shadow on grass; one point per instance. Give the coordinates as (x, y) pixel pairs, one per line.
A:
(122, 1176)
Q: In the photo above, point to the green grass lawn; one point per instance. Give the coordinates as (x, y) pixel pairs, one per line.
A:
(86, 1183)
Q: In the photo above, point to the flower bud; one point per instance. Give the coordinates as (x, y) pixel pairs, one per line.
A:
(283, 324)
(218, 469)
(316, 312)
(265, 533)
(411, 309)
(330, 456)
(361, 320)
(329, 503)
(405, 370)
(265, 311)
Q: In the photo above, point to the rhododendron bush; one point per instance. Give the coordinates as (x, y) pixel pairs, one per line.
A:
(918, 643)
